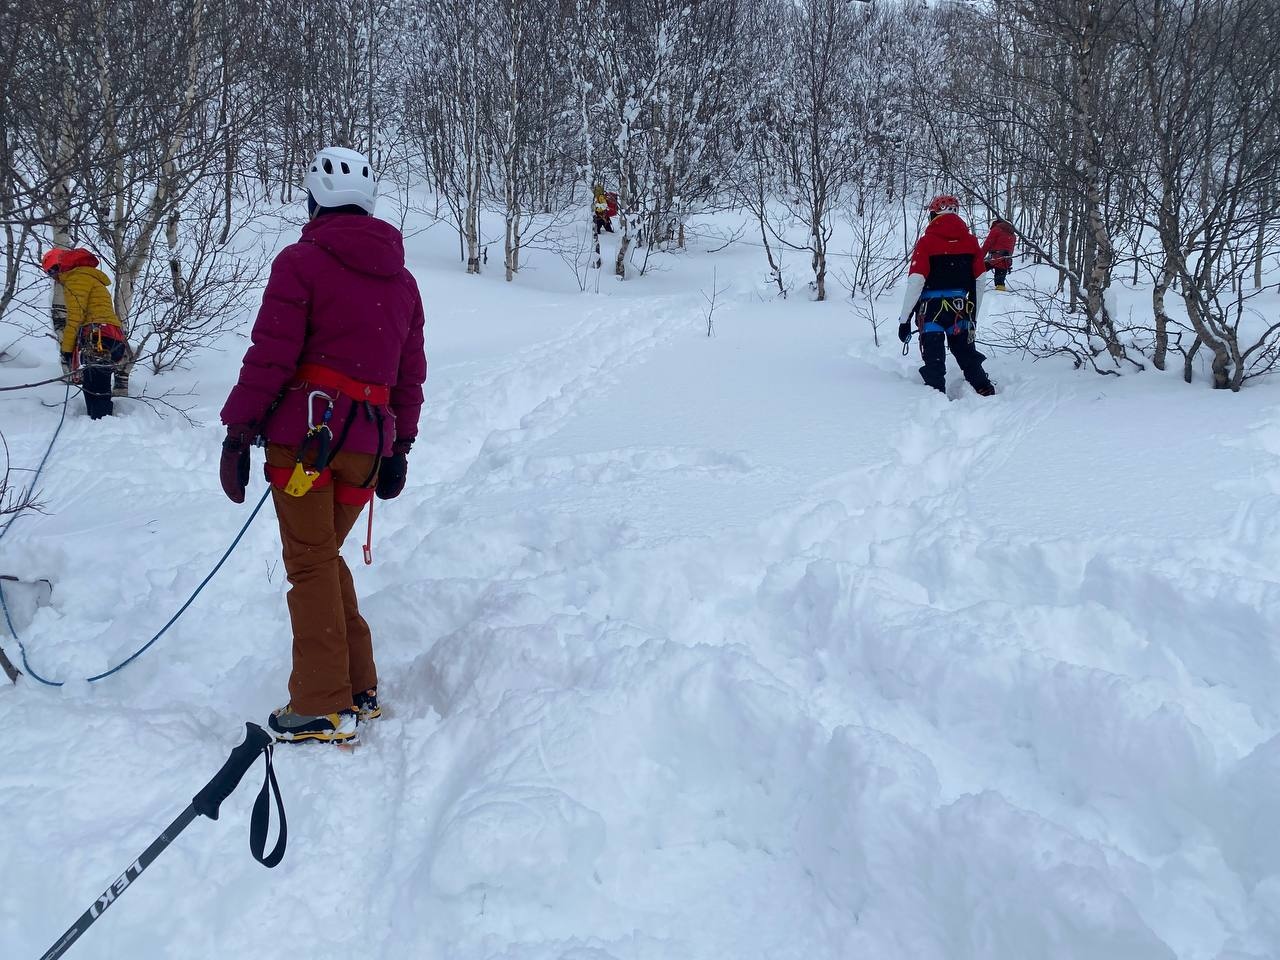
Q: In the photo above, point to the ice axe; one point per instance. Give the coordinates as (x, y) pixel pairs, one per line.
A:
(206, 803)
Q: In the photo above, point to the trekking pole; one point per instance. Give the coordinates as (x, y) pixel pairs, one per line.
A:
(206, 803)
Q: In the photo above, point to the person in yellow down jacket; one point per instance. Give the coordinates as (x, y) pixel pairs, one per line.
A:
(93, 344)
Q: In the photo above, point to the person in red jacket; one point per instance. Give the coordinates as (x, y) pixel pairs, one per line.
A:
(997, 250)
(333, 383)
(944, 297)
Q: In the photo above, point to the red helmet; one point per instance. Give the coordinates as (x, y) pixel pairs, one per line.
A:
(52, 261)
(943, 203)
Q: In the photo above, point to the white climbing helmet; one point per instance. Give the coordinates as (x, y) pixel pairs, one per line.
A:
(338, 177)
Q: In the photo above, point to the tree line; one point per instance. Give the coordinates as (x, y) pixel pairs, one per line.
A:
(1130, 141)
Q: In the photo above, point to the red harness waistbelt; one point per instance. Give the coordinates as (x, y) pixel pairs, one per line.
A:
(110, 331)
(321, 376)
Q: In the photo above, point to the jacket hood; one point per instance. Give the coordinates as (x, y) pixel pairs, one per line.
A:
(364, 244)
(77, 257)
(947, 226)
(97, 274)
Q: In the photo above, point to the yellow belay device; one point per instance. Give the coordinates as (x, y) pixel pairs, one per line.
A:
(304, 477)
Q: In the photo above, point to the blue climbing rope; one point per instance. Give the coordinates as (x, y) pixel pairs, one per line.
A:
(172, 620)
(4, 606)
(66, 401)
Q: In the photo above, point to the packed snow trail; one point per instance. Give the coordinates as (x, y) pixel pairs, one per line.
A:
(747, 646)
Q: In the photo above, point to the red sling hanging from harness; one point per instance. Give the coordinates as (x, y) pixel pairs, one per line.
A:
(368, 537)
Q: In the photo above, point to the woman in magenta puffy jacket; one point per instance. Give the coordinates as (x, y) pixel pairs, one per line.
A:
(333, 384)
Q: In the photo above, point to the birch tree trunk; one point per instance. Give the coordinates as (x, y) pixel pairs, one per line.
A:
(513, 167)
(1260, 243)
(66, 149)
(472, 146)
(131, 257)
(229, 144)
(1161, 317)
(1098, 277)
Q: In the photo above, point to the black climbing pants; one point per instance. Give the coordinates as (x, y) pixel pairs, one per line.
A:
(96, 379)
(933, 350)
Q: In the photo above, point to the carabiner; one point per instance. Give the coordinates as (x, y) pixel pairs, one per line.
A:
(311, 406)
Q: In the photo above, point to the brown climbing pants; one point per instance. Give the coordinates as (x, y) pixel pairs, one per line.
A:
(332, 647)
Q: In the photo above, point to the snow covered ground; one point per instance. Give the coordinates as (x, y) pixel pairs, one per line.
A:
(736, 647)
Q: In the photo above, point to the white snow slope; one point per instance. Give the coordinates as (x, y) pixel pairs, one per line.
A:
(693, 649)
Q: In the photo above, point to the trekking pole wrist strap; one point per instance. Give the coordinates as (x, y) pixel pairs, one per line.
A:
(260, 821)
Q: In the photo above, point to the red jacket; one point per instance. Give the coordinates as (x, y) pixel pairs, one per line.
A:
(998, 248)
(948, 260)
(947, 254)
(339, 298)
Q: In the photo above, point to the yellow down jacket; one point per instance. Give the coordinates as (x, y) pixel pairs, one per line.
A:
(88, 301)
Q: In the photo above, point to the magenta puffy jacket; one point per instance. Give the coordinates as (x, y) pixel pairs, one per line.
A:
(340, 297)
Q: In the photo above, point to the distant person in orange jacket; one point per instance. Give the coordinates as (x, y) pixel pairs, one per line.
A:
(943, 296)
(997, 250)
(93, 343)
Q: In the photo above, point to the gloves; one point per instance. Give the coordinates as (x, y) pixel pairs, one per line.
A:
(904, 331)
(233, 470)
(66, 363)
(392, 472)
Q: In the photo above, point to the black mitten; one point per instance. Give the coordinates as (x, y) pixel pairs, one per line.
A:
(391, 476)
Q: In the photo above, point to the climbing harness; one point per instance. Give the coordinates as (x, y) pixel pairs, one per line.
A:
(999, 259)
(97, 343)
(326, 383)
(303, 476)
(955, 303)
(953, 307)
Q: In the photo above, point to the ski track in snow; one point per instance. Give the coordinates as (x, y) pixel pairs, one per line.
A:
(870, 723)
